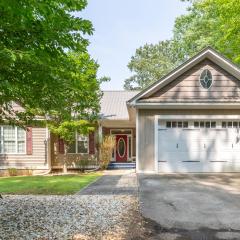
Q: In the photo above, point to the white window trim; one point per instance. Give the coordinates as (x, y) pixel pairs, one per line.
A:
(76, 144)
(203, 88)
(16, 141)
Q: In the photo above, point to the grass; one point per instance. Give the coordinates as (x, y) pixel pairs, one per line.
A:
(46, 185)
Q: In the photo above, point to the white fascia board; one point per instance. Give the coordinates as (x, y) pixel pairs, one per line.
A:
(197, 117)
(225, 64)
(187, 106)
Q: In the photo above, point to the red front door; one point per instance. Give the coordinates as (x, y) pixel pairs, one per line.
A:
(121, 148)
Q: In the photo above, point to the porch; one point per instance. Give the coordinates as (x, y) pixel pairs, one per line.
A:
(125, 147)
(84, 152)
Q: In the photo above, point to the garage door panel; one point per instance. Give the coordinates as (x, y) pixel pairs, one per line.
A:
(181, 167)
(198, 150)
(181, 156)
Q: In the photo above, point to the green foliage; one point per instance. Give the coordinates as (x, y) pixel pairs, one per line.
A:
(67, 129)
(46, 185)
(150, 63)
(44, 63)
(12, 172)
(196, 30)
(212, 23)
(106, 149)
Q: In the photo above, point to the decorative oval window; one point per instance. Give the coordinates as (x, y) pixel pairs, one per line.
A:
(206, 79)
(121, 147)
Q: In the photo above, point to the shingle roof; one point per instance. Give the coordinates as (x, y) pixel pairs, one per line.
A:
(113, 104)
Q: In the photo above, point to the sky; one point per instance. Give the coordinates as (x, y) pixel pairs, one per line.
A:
(122, 26)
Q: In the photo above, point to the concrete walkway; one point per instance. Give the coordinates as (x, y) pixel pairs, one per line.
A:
(113, 182)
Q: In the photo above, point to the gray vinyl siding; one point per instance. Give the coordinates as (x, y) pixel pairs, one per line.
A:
(38, 159)
(146, 142)
(187, 86)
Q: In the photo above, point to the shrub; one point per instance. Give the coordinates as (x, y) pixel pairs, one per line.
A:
(28, 172)
(106, 149)
(12, 172)
(82, 164)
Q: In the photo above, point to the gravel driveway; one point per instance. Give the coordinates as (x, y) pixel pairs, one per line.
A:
(89, 214)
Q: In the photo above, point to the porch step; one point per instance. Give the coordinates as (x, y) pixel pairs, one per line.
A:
(116, 165)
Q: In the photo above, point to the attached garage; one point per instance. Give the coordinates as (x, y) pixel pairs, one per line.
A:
(189, 121)
(199, 145)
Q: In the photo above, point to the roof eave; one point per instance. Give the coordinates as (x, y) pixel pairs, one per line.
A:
(214, 105)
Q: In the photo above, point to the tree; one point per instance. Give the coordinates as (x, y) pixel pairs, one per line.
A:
(209, 23)
(196, 30)
(150, 63)
(81, 103)
(43, 59)
(212, 23)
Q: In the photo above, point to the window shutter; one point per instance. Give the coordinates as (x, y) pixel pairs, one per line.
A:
(60, 145)
(91, 143)
(29, 140)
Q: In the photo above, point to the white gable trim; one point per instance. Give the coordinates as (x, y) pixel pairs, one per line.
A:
(208, 53)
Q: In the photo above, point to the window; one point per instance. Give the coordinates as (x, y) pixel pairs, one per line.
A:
(196, 124)
(202, 124)
(168, 124)
(206, 79)
(207, 124)
(230, 124)
(12, 140)
(80, 145)
(213, 124)
(178, 124)
(235, 124)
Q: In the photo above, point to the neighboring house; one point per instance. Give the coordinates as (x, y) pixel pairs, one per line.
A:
(188, 121)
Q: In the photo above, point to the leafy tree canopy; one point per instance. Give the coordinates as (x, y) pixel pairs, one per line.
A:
(207, 23)
(67, 129)
(44, 64)
(150, 62)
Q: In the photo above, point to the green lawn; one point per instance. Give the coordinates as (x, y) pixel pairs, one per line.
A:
(46, 185)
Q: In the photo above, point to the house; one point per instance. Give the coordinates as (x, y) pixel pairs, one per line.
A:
(188, 121)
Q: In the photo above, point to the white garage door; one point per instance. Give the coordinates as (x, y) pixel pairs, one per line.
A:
(198, 146)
